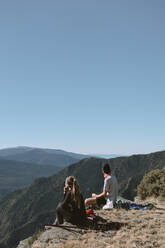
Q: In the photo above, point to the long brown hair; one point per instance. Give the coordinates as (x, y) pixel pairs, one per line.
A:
(75, 189)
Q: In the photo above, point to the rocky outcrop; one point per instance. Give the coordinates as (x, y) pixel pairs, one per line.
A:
(25, 243)
(121, 229)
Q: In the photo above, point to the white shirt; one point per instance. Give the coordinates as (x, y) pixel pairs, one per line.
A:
(111, 187)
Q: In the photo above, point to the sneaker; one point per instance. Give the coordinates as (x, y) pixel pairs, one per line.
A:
(108, 205)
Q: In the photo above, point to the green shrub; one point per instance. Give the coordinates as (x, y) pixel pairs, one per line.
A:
(152, 184)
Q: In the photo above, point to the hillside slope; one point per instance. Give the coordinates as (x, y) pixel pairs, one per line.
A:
(19, 166)
(16, 174)
(24, 211)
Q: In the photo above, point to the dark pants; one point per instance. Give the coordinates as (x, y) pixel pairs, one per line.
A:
(62, 213)
(76, 217)
(100, 201)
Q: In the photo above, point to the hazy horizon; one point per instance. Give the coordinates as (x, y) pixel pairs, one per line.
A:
(92, 153)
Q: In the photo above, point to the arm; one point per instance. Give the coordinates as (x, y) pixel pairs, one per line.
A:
(103, 194)
(105, 190)
(67, 198)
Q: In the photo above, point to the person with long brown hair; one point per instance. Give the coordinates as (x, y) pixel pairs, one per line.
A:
(72, 208)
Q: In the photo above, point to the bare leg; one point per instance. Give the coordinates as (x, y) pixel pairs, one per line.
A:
(90, 201)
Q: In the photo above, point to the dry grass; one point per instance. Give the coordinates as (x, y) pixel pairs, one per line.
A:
(137, 229)
(141, 229)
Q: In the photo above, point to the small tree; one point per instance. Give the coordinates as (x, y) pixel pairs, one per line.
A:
(152, 184)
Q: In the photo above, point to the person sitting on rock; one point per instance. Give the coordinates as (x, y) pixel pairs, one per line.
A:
(110, 191)
(72, 208)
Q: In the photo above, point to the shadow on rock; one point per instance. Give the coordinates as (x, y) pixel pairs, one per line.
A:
(110, 226)
(101, 224)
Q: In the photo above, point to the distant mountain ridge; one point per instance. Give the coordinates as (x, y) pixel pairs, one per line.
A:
(41, 155)
(19, 166)
(32, 163)
(47, 156)
(107, 156)
(24, 211)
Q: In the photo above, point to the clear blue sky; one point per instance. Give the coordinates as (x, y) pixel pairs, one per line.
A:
(84, 76)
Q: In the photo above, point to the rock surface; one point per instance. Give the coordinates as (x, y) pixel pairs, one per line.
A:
(123, 229)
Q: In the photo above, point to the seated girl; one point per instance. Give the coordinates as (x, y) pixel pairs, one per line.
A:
(72, 207)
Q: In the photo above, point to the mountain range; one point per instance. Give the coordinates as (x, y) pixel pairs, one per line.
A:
(19, 166)
(43, 156)
(107, 156)
(16, 174)
(25, 211)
